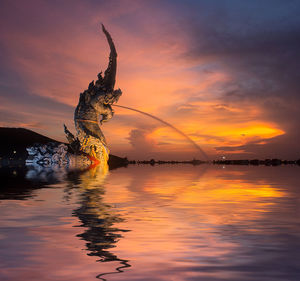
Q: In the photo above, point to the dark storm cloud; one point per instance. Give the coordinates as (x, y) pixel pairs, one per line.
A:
(261, 49)
(257, 43)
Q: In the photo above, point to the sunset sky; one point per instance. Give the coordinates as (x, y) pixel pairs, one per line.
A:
(226, 73)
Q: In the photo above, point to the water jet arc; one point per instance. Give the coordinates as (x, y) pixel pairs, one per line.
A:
(169, 125)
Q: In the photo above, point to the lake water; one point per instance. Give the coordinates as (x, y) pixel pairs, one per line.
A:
(167, 222)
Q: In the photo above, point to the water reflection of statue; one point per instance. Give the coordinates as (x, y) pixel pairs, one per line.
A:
(97, 217)
(94, 108)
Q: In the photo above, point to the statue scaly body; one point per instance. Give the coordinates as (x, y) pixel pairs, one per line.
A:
(94, 108)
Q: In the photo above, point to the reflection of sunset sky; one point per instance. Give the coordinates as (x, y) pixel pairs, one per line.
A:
(222, 73)
(198, 219)
(208, 192)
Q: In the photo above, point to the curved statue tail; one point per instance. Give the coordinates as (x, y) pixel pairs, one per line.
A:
(109, 79)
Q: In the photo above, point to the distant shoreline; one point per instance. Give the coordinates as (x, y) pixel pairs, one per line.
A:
(115, 162)
(195, 162)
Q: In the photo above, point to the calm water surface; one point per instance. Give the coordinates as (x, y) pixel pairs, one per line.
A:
(177, 222)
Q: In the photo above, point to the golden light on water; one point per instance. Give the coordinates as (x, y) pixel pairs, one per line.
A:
(210, 194)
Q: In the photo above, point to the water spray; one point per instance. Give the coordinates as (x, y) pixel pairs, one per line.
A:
(169, 125)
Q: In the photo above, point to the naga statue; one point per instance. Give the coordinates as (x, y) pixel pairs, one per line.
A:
(94, 108)
(89, 146)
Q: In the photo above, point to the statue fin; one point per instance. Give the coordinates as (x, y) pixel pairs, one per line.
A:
(69, 135)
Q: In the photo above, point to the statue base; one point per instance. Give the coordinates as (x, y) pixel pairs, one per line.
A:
(55, 155)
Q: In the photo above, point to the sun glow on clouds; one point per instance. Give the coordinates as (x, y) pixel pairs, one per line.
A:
(264, 131)
(217, 135)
